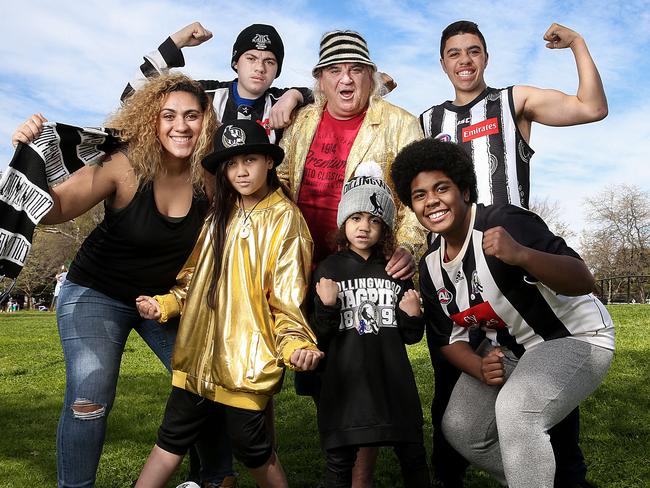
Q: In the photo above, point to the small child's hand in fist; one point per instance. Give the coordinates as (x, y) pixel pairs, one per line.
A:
(410, 303)
(148, 307)
(306, 359)
(328, 291)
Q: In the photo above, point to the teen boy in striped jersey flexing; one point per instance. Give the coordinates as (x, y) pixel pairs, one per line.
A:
(493, 125)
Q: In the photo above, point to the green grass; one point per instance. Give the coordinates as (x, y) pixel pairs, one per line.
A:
(615, 419)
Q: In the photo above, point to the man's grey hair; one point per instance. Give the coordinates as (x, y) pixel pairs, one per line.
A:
(375, 87)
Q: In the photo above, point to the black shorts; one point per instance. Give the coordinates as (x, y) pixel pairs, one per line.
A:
(187, 415)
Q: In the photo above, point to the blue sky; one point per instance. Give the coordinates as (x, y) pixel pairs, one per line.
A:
(70, 61)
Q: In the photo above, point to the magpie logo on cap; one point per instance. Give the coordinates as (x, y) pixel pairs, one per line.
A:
(240, 137)
(261, 41)
(233, 136)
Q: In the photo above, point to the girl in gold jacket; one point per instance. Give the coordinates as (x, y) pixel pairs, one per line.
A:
(240, 295)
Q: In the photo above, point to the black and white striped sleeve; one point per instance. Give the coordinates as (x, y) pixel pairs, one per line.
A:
(528, 229)
(167, 56)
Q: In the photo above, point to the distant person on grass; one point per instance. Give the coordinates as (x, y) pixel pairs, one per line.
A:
(59, 279)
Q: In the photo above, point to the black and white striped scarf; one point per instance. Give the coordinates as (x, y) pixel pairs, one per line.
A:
(25, 199)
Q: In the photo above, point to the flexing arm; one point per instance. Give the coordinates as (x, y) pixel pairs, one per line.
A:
(191, 35)
(168, 55)
(563, 274)
(409, 316)
(553, 107)
(326, 316)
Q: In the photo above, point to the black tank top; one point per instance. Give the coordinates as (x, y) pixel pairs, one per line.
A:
(136, 250)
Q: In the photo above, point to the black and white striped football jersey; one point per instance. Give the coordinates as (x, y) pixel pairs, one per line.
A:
(487, 129)
(514, 309)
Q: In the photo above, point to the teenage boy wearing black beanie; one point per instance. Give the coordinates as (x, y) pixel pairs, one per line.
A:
(257, 56)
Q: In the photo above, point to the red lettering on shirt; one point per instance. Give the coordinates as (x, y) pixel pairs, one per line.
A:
(323, 177)
(480, 315)
(485, 128)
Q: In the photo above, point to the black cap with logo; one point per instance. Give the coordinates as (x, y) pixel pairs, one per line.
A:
(262, 37)
(240, 137)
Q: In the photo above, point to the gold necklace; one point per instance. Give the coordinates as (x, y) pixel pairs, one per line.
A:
(245, 230)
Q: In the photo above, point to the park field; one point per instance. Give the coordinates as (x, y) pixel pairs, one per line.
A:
(615, 419)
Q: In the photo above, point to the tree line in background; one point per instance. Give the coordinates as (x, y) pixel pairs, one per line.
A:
(52, 246)
(616, 245)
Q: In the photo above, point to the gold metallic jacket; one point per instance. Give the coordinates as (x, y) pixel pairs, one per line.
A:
(234, 354)
(385, 130)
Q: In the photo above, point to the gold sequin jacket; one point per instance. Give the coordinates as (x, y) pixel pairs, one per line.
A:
(385, 130)
(235, 354)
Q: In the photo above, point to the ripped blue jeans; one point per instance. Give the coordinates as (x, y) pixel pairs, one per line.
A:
(93, 329)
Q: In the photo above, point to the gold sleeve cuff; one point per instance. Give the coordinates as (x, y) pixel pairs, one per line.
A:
(409, 247)
(169, 307)
(290, 347)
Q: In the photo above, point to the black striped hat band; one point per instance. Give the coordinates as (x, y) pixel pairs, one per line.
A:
(343, 47)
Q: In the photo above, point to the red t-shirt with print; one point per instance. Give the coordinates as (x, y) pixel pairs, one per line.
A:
(322, 180)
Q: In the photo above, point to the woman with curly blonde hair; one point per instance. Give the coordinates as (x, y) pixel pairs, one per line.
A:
(134, 121)
(154, 204)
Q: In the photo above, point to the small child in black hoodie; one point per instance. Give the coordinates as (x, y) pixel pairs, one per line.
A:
(363, 318)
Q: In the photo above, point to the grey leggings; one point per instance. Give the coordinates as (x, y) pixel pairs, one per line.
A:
(504, 429)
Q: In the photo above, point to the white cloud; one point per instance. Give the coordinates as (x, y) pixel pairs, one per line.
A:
(71, 60)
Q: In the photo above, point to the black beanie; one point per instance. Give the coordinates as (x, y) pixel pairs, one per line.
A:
(261, 37)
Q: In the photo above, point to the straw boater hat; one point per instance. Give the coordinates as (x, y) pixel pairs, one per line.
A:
(343, 46)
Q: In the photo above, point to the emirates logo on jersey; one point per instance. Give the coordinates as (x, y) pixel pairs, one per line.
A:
(485, 128)
(444, 296)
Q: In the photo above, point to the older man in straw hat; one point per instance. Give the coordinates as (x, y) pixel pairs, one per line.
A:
(349, 131)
